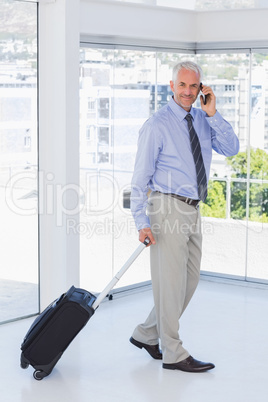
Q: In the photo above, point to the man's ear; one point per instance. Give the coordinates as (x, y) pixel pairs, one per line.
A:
(171, 83)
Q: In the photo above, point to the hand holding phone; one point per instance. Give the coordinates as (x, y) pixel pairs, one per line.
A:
(209, 100)
(204, 96)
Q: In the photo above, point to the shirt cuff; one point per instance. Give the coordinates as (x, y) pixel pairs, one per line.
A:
(144, 223)
(214, 120)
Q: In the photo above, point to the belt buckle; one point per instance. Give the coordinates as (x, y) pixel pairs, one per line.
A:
(190, 201)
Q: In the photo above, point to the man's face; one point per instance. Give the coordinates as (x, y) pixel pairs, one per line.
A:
(186, 88)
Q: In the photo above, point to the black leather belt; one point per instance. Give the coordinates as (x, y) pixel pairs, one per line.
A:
(187, 200)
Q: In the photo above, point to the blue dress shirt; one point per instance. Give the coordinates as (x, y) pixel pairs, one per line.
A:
(164, 160)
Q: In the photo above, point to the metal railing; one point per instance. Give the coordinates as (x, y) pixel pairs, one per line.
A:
(228, 181)
(125, 189)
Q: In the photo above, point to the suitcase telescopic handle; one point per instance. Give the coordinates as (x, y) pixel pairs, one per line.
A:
(120, 273)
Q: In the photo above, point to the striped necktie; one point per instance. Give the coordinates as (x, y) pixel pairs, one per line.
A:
(198, 160)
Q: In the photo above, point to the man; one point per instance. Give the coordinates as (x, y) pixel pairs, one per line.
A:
(173, 165)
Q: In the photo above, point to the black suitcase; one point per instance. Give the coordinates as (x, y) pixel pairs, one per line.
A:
(55, 328)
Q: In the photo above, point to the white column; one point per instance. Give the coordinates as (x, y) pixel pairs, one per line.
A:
(58, 146)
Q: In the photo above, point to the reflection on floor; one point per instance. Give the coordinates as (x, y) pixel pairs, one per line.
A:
(17, 299)
(225, 324)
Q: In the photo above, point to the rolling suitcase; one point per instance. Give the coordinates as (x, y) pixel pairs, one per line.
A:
(55, 328)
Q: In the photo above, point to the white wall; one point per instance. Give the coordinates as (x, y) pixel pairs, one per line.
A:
(58, 145)
(136, 21)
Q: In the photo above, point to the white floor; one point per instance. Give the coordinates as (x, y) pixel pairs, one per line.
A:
(224, 323)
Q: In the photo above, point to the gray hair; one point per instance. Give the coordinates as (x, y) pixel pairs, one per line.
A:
(188, 65)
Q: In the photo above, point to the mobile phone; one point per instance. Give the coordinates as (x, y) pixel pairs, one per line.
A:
(204, 96)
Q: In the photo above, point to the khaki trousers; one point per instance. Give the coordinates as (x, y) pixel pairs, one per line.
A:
(175, 270)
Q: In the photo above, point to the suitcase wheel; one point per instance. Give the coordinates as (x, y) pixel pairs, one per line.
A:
(39, 375)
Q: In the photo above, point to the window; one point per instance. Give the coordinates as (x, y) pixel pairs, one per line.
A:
(91, 109)
(103, 135)
(238, 187)
(224, 187)
(18, 161)
(257, 186)
(27, 141)
(133, 92)
(104, 108)
(122, 85)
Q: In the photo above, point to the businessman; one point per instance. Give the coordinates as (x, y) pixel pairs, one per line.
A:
(172, 166)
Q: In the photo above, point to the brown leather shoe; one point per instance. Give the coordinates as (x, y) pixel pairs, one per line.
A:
(190, 364)
(153, 350)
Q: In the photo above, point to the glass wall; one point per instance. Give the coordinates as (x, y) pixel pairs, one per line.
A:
(18, 161)
(224, 213)
(257, 160)
(120, 89)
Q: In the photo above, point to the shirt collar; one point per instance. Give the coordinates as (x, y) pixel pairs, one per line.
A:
(179, 111)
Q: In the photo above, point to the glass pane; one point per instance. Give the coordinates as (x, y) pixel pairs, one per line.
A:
(258, 191)
(134, 102)
(224, 213)
(118, 93)
(18, 161)
(116, 98)
(96, 172)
